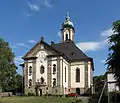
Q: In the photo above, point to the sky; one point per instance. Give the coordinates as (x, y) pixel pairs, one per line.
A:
(23, 22)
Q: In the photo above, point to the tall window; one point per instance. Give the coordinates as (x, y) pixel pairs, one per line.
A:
(77, 75)
(42, 69)
(54, 68)
(65, 74)
(30, 71)
(66, 36)
(42, 80)
(54, 82)
(30, 82)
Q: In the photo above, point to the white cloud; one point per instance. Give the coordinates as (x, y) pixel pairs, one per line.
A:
(18, 59)
(89, 46)
(33, 7)
(32, 41)
(47, 4)
(96, 45)
(107, 32)
(103, 61)
(23, 45)
(27, 14)
(59, 34)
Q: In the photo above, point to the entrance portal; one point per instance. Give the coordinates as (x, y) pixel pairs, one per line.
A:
(40, 92)
(78, 91)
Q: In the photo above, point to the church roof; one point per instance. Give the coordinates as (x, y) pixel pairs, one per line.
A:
(71, 51)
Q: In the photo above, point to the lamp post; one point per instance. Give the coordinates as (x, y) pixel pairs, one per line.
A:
(0, 90)
(102, 92)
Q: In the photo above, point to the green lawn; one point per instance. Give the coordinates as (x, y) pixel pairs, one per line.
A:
(36, 100)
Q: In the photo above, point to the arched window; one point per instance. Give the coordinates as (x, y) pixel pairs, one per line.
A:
(65, 74)
(54, 68)
(30, 82)
(54, 82)
(42, 69)
(66, 37)
(77, 75)
(42, 80)
(30, 70)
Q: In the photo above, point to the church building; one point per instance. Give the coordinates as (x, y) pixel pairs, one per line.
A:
(58, 68)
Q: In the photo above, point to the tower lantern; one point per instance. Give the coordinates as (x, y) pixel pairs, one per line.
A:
(67, 29)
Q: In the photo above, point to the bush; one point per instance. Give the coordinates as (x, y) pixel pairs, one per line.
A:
(48, 94)
(60, 96)
(31, 94)
(114, 96)
(66, 95)
(86, 94)
(78, 101)
(94, 99)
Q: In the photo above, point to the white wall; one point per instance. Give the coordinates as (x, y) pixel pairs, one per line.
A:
(66, 32)
(80, 84)
(61, 73)
(65, 84)
(42, 60)
(54, 75)
(30, 76)
(111, 84)
(90, 75)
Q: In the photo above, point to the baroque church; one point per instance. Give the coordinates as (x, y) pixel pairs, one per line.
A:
(58, 68)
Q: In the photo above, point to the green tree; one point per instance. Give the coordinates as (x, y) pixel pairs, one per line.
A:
(113, 60)
(99, 83)
(19, 83)
(7, 67)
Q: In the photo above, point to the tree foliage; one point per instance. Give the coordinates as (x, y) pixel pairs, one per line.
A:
(8, 74)
(99, 83)
(113, 60)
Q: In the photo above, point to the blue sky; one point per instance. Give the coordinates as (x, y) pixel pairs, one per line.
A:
(23, 22)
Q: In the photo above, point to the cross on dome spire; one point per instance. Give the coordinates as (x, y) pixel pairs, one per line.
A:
(67, 15)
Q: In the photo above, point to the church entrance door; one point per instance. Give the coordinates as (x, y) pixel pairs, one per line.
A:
(40, 92)
(78, 91)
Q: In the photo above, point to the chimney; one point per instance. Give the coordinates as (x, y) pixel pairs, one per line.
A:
(52, 43)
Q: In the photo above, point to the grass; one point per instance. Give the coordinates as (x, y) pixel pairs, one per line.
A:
(36, 100)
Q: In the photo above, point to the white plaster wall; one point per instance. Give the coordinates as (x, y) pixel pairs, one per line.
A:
(54, 75)
(61, 73)
(71, 33)
(80, 84)
(65, 84)
(30, 64)
(42, 60)
(110, 77)
(111, 86)
(66, 32)
(89, 75)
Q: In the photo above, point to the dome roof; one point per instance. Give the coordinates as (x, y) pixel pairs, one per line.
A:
(67, 22)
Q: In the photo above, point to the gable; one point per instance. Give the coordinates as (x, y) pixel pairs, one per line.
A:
(39, 46)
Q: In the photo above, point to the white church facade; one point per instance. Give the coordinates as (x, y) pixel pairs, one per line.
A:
(58, 69)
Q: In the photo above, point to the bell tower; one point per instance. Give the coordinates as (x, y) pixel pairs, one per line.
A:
(67, 30)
